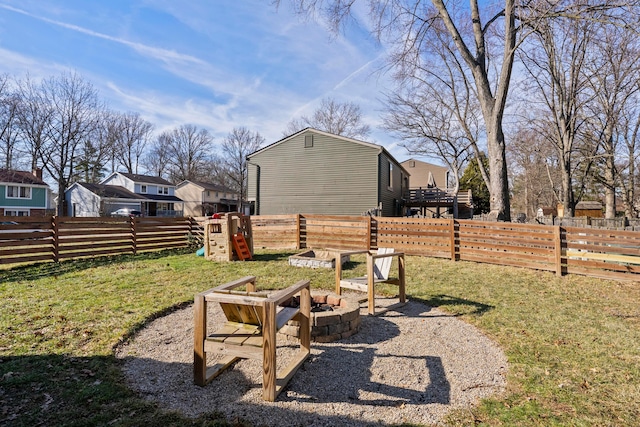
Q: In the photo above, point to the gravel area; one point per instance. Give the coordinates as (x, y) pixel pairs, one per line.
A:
(409, 364)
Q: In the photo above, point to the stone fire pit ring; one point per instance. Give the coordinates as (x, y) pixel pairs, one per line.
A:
(316, 259)
(326, 326)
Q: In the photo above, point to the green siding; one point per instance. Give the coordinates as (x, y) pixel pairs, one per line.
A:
(390, 198)
(333, 176)
(38, 198)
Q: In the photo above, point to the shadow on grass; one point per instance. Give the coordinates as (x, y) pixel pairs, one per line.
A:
(79, 391)
(460, 306)
(50, 269)
(272, 256)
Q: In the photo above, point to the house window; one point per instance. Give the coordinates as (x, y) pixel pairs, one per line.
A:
(390, 176)
(308, 141)
(143, 189)
(208, 193)
(15, 213)
(163, 190)
(18, 192)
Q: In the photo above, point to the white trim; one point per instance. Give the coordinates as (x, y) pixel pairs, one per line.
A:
(16, 210)
(19, 186)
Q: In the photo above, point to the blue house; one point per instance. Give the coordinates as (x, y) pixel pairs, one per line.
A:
(23, 193)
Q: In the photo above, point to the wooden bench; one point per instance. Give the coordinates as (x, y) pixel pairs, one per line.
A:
(253, 319)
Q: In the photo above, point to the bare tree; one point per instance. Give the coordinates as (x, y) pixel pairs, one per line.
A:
(533, 172)
(9, 130)
(556, 61)
(339, 118)
(73, 105)
(131, 135)
(629, 132)
(236, 146)
(189, 150)
(614, 66)
(96, 151)
(486, 40)
(33, 117)
(157, 158)
(435, 111)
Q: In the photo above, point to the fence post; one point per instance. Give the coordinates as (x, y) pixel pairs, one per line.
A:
(452, 239)
(134, 243)
(298, 232)
(558, 243)
(56, 238)
(369, 236)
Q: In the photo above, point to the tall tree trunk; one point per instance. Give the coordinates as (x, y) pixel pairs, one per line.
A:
(610, 188)
(567, 190)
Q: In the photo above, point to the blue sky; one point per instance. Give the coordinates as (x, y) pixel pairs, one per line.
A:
(212, 63)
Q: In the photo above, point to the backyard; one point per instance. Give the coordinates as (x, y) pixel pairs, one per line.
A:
(572, 342)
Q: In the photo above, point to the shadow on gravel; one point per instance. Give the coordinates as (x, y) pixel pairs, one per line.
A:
(395, 370)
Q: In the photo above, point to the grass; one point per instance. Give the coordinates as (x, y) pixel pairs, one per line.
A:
(573, 343)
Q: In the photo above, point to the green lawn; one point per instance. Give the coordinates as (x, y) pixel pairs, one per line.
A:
(573, 343)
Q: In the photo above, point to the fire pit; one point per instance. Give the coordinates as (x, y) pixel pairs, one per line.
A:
(333, 317)
(316, 259)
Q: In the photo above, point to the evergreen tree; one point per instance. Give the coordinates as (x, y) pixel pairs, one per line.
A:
(472, 179)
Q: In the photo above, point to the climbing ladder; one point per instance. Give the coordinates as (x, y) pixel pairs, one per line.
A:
(241, 247)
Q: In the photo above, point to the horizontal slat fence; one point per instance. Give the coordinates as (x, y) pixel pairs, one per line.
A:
(416, 236)
(157, 233)
(335, 232)
(518, 245)
(61, 238)
(30, 240)
(276, 231)
(602, 253)
(594, 252)
(87, 237)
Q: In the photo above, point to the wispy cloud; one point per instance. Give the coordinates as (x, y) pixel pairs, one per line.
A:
(164, 55)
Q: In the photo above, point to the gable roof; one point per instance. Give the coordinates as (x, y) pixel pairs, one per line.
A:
(147, 179)
(110, 191)
(380, 148)
(207, 186)
(20, 177)
(586, 204)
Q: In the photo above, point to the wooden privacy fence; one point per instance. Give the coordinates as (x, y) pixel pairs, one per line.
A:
(60, 238)
(602, 253)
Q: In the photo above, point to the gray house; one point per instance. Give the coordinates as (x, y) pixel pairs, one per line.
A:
(316, 172)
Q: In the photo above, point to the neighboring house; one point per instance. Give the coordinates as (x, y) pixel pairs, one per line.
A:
(430, 195)
(317, 172)
(204, 199)
(23, 193)
(158, 193)
(427, 175)
(100, 200)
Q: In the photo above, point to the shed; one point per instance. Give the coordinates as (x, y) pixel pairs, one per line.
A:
(591, 209)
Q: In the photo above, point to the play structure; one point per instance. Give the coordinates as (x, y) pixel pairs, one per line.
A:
(228, 237)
